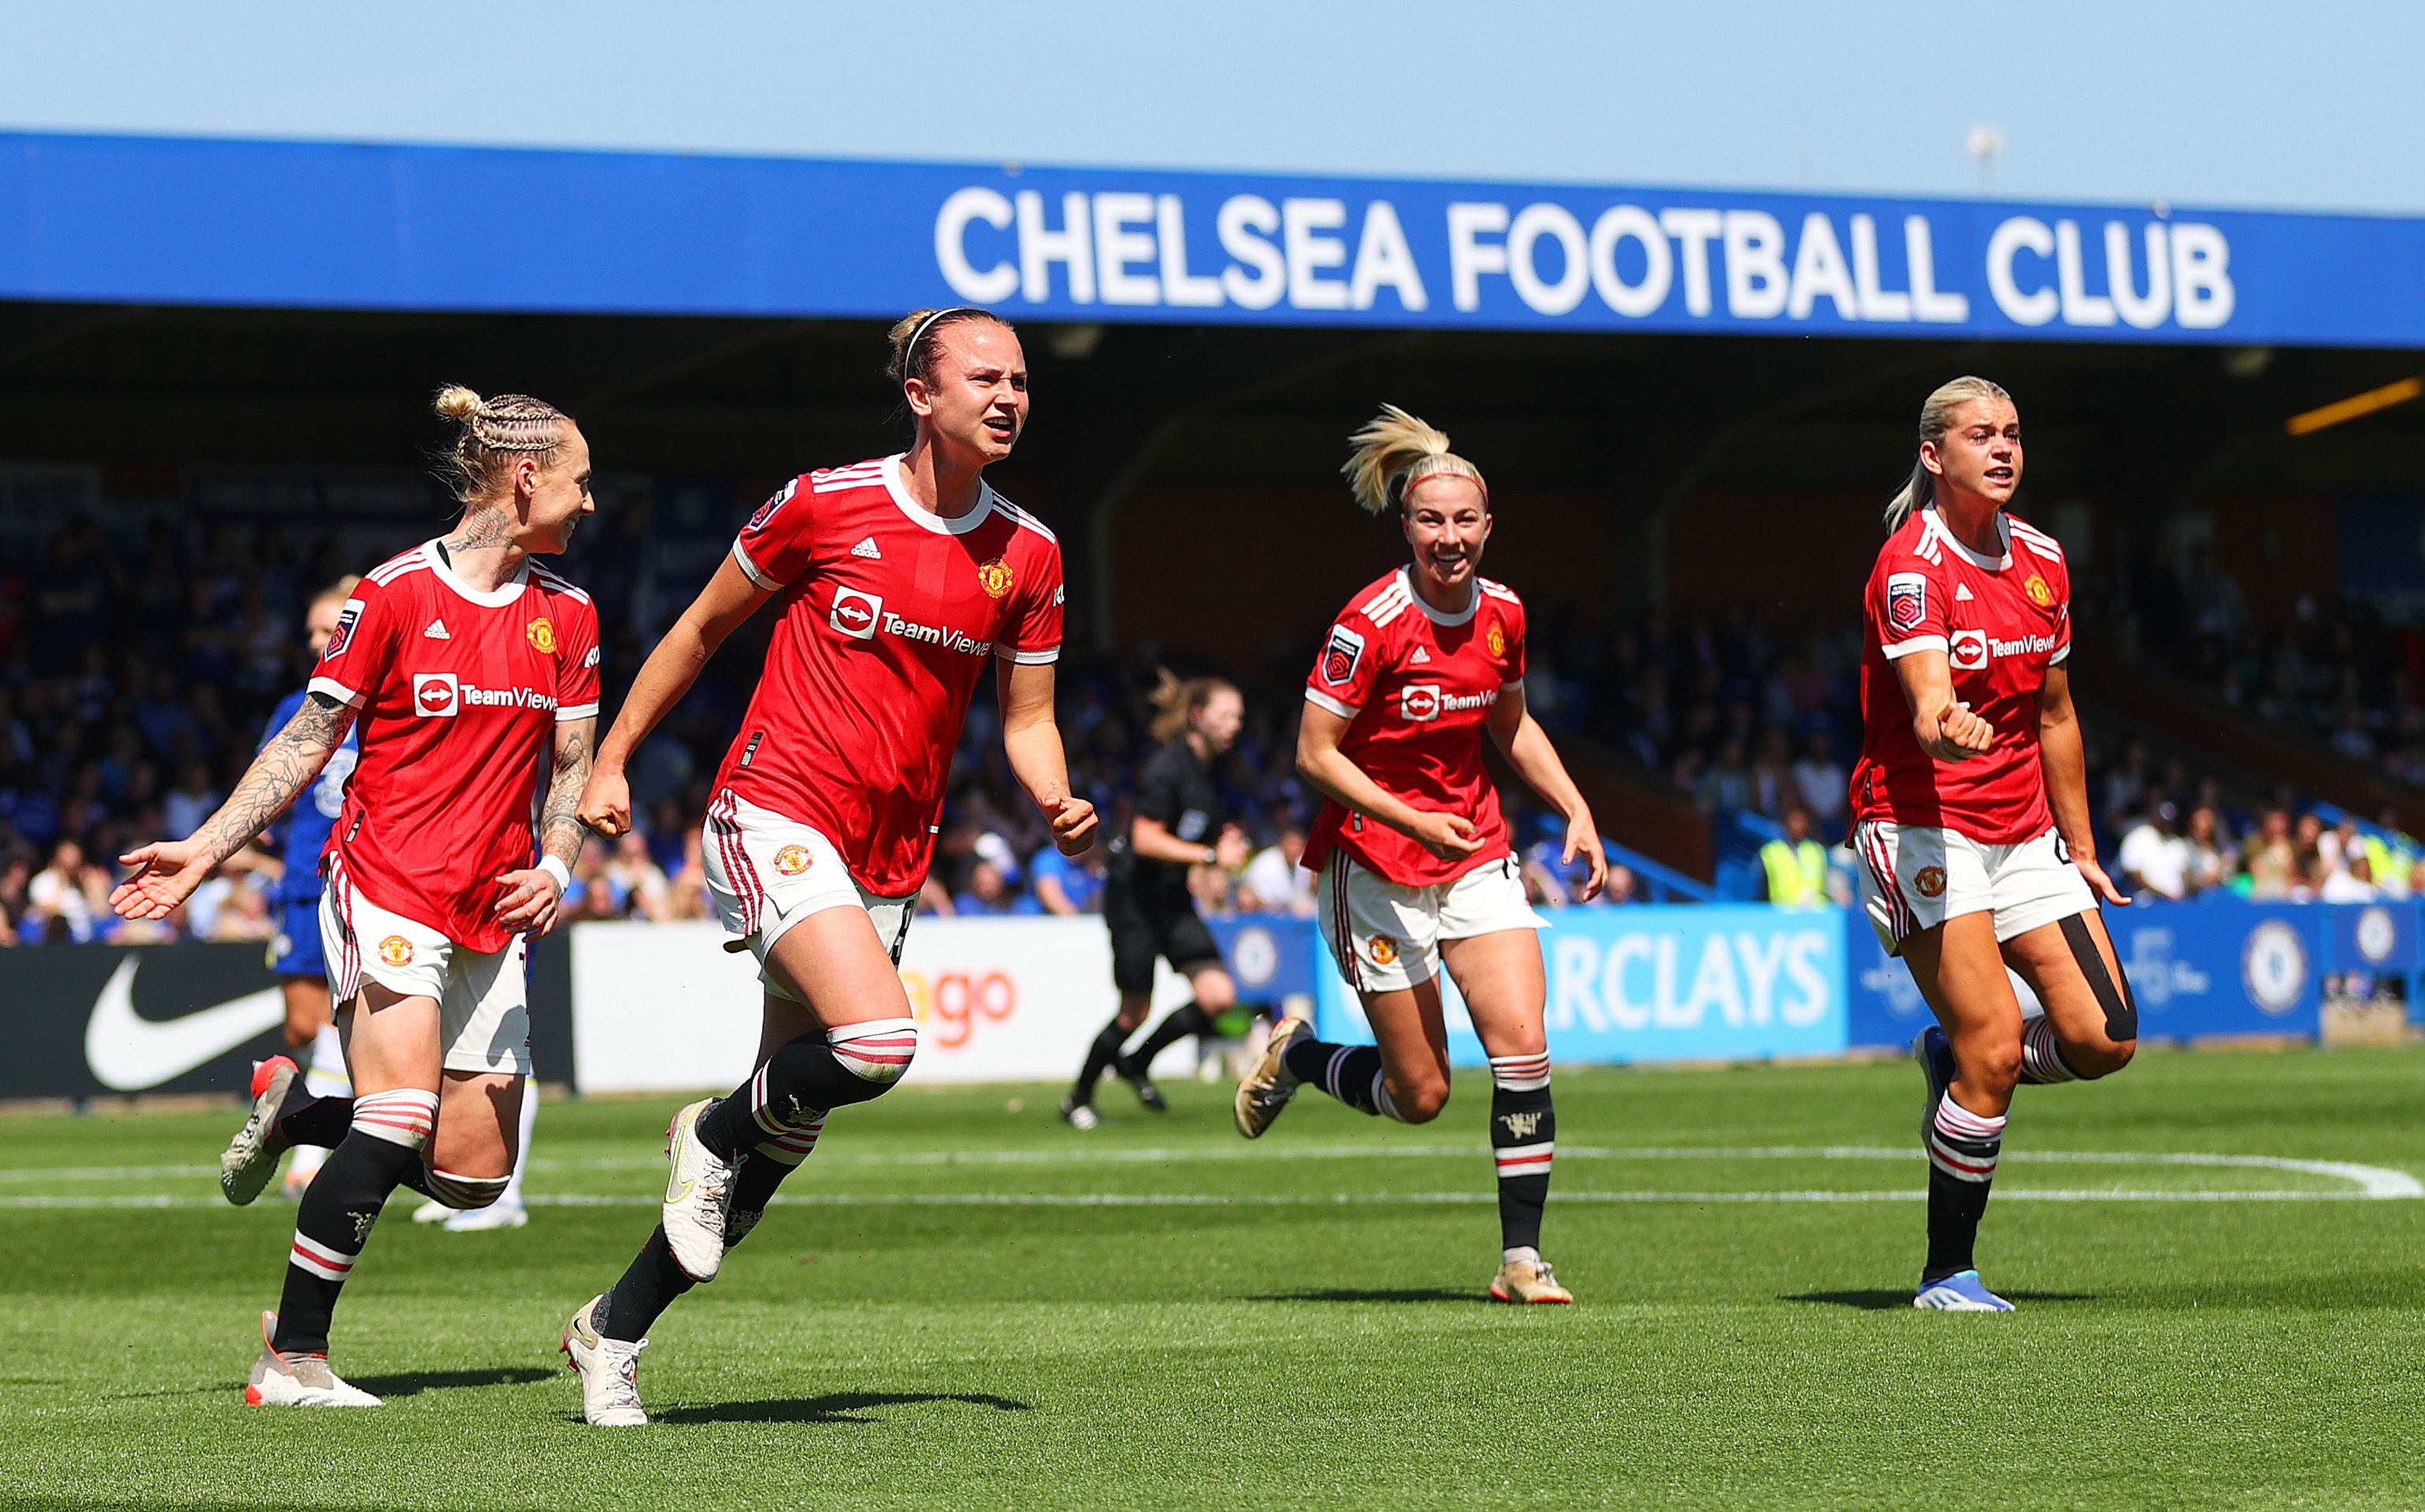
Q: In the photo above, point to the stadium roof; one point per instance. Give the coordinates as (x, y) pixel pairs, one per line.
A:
(193, 221)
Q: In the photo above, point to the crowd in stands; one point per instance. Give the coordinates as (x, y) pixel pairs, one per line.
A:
(135, 676)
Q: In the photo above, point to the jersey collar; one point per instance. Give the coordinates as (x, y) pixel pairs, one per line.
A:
(1985, 564)
(496, 597)
(1406, 575)
(927, 519)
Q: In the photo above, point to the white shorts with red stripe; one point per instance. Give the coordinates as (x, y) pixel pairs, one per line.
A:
(1916, 876)
(767, 873)
(483, 996)
(1386, 938)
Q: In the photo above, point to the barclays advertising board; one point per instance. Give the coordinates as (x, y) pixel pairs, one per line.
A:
(300, 224)
(1682, 981)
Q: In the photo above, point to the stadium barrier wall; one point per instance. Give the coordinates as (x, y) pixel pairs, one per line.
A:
(97, 1020)
(663, 1007)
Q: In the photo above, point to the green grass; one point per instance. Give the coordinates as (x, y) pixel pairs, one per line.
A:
(2227, 1353)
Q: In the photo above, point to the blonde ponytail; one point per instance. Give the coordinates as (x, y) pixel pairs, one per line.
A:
(1936, 418)
(1176, 700)
(1394, 451)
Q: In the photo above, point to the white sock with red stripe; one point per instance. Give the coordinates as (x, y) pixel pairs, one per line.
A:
(808, 1078)
(1962, 1150)
(1523, 1140)
(2041, 1058)
(334, 1218)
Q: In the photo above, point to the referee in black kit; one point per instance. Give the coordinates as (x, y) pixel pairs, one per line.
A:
(1178, 824)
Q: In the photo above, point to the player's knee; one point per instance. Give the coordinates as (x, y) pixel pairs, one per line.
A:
(467, 1192)
(2100, 1058)
(1215, 992)
(404, 1116)
(878, 1051)
(1415, 1101)
(1991, 1063)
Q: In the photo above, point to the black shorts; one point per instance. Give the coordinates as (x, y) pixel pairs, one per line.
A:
(1141, 931)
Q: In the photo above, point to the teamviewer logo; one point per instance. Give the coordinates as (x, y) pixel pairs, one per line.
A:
(436, 695)
(855, 614)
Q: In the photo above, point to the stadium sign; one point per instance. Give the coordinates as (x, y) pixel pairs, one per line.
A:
(313, 225)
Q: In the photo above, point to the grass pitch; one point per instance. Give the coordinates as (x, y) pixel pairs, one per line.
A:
(966, 1306)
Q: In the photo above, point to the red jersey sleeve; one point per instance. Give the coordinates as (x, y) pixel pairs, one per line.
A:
(360, 648)
(1906, 602)
(1512, 612)
(2062, 604)
(577, 690)
(1342, 678)
(773, 548)
(1033, 632)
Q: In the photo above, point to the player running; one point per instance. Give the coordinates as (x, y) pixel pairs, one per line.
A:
(294, 955)
(1414, 865)
(897, 582)
(462, 663)
(1970, 812)
(1179, 823)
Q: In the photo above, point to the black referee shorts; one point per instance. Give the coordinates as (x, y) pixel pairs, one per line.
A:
(1140, 933)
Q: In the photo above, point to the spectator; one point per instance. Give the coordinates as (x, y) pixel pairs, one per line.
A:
(2154, 858)
(635, 879)
(2352, 883)
(190, 803)
(2269, 863)
(67, 899)
(687, 893)
(1794, 867)
(1621, 885)
(1273, 880)
(1067, 884)
(244, 914)
(2206, 865)
(1819, 779)
(987, 892)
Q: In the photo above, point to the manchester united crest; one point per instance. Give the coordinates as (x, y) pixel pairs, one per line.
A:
(996, 577)
(395, 950)
(2039, 593)
(541, 635)
(1385, 950)
(1929, 880)
(1495, 640)
(792, 860)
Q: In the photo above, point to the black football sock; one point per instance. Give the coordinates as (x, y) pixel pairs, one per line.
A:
(1100, 1056)
(1190, 1018)
(305, 1119)
(341, 1205)
(1962, 1153)
(1351, 1073)
(806, 1078)
(646, 1289)
(1524, 1137)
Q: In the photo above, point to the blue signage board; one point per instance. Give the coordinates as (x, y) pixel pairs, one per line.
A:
(2383, 937)
(2197, 970)
(1665, 982)
(1271, 956)
(353, 226)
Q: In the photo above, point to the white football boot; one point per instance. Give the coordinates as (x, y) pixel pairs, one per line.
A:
(297, 1380)
(609, 1371)
(699, 1196)
(1268, 1085)
(495, 1215)
(251, 1157)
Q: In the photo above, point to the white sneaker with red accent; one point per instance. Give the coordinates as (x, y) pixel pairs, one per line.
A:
(297, 1380)
(251, 1157)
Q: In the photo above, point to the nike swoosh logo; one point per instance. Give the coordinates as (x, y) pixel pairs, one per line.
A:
(129, 1052)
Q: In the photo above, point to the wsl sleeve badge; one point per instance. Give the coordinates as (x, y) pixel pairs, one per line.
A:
(1341, 656)
(1906, 600)
(348, 618)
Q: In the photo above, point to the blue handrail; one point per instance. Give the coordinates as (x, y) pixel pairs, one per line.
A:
(1661, 882)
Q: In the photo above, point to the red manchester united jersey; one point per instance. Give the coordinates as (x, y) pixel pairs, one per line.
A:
(889, 615)
(2002, 621)
(1418, 688)
(459, 692)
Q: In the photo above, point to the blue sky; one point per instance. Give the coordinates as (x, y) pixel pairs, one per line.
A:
(2224, 102)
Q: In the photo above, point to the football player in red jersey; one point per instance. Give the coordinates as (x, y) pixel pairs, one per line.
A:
(464, 664)
(897, 582)
(1970, 812)
(1416, 868)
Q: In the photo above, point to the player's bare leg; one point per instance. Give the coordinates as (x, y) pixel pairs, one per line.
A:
(2090, 1025)
(1501, 977)
(394, 1045)
(1972, 1066)
(847, 1038)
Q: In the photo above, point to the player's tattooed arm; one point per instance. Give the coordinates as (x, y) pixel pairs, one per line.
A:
(561, 833)
(166, 873)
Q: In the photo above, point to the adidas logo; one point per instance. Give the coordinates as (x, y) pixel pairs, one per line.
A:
(867, 548)
(1961, 592)
(437, 630)
(1421, 656)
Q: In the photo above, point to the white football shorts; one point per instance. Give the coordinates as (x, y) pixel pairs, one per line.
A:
(1916, 876)
(1386, 938)
(767, 873)
(483, 996)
